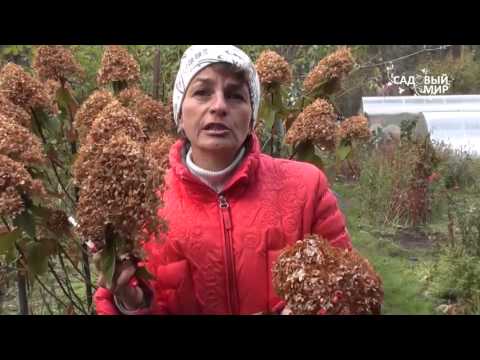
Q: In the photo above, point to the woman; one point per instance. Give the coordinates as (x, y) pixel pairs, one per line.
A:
(230, 208)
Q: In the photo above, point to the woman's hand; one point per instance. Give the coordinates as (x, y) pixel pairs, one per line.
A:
(131, 296)
(286, 311)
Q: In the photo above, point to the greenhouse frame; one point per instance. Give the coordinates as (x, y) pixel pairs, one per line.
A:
(452, 119)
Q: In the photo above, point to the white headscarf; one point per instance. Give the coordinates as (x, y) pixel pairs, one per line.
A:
(198, 57)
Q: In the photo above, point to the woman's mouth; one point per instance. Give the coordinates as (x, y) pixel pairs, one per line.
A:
(216, 129)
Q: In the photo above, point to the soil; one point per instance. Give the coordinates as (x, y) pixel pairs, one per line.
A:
(417, 239)
(411, 239)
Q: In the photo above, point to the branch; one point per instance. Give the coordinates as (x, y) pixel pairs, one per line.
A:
(444, 47)
(84, 277)
(55, 275)
(44, 287)
(68, 283)
(6, 224)
(50, 160)
(45, 302)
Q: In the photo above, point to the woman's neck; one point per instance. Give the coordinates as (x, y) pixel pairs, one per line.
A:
(215, 179)
(212, 162)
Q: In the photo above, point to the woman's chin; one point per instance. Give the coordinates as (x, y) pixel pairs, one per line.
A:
(217, 143)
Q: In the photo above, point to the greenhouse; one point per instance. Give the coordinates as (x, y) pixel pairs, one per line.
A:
(452, 119)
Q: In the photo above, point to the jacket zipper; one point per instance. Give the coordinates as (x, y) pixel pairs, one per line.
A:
(232, 297)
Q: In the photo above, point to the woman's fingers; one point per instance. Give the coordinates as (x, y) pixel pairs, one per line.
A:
(124, 272)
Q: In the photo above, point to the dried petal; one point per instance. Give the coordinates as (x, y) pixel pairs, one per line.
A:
(118, 65)
(56, 62)
(316, 278)
(273, 69)
(331, 67)
(315, 123)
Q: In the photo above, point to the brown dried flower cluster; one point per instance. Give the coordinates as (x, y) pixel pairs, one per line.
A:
(316, 123)
(55, 226)
(15, 181)
(113, 120)
(159, 150)
(118, 192)
(89, 109)
(331, 67)
(14, 112)
(354, 128)
(273, 69)
(20, 144)
(259, 128)
(152, 113)
(22, 89)
(58, 222)
(315, 278)
(118, 65)
(56, 62)
(51, 88)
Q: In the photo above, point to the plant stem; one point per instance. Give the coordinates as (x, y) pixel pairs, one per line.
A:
(293, 154)
(45, 302)
(65, 292)
(22, 291)
(85, 260)
(44, 287)
(84, 277)
(54, 168)
(68, 282)
(21, 282)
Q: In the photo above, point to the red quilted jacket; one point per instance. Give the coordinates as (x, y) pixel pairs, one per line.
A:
(219, 250)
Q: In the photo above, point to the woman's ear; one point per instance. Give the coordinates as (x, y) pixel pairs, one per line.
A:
(252, 121)
(180, 130)
(179, 123)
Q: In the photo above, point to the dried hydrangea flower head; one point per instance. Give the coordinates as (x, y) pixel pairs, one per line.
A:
(332, 67)
(20, 144)
(84, 162)
(259, 128)
(113, 120)
(51, 88)
(89, 110)
(151, 112)
(56, 62)
(314, 277)
(15, 181)
(58, 222)
(316, 123)
(23, 89)
(118, 65)
(354, 128)
(273, 69)
(14, 112)
(117, 192)
(54, 227)
(159, 150)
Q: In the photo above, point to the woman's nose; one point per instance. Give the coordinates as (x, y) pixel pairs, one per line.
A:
(219, 104)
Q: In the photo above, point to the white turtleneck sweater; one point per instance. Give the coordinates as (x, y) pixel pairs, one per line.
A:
(214, 179)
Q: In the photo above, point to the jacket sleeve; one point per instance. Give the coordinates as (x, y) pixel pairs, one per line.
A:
(328, 221)
(171, 290)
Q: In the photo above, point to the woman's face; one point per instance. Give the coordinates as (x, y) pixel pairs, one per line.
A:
(216, 112)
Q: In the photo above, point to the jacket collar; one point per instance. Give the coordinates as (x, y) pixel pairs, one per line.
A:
(242, 176)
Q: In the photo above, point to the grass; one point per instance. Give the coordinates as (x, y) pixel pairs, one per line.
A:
(399, 268)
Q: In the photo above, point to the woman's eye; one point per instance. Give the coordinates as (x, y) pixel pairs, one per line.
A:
(238, 96)
(200, 93)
